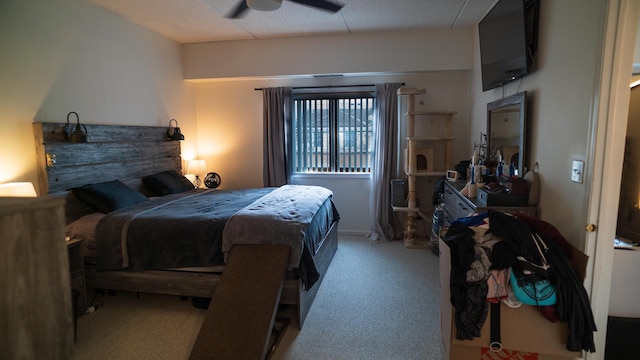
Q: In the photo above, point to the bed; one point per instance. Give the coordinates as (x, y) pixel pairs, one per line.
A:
(134, 247)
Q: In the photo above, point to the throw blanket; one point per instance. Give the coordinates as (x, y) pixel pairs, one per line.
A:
(178, 230)
(280, 217)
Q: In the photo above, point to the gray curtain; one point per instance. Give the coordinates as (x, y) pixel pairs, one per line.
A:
(277, 135)
(384, 225)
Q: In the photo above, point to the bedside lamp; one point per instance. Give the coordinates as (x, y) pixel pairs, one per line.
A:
(196, 167)
(17, 189)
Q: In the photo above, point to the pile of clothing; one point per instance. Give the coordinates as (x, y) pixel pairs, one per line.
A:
(495, 253)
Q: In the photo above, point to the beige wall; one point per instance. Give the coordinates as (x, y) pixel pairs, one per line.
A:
(229, 117)
(71, 56)
(562, 92)
(359, 53)
(229, 110)
(67, 55)
(230, 133)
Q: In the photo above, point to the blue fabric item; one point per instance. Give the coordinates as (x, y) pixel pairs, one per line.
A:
(167, 182)
(539, 293)
(108, 196)
(471, 220)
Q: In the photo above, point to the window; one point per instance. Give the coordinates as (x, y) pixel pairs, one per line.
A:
(333, 132)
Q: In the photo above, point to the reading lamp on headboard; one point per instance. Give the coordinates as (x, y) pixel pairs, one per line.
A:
(77, 135)
(174, 132)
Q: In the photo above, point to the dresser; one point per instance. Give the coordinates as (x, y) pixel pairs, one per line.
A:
(35, 301)
(457, 205)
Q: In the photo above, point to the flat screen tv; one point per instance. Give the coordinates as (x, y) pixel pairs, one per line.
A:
(508, 41)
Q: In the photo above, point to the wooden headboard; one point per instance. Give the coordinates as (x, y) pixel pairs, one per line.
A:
(113, 152)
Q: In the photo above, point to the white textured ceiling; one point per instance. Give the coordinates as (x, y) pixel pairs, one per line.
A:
(188, 21)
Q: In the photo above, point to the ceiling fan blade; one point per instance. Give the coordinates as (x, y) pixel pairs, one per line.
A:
(239, 11)
(321, 4)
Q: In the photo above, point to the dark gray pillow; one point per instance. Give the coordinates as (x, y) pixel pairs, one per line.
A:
(167, 182)
(108, 196)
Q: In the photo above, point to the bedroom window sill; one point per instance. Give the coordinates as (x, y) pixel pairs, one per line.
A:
(332, 175)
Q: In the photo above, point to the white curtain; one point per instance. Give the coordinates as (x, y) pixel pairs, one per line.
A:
(384, 225)
(276, 104)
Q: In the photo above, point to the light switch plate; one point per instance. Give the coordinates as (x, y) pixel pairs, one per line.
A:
(577, 170)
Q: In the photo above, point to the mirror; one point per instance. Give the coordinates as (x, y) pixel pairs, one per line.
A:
(506, 129)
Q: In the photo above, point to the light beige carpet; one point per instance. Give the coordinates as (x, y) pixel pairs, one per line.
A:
(377, 301)
(151, 327)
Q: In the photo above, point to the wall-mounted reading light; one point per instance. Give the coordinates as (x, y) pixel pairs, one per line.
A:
(77, 135)
(174, 132)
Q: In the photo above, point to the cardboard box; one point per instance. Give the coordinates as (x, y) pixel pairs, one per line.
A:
(473, 353)
(525, 333)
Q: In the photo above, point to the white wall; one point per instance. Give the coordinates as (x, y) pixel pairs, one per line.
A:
(361, 53)
(230, 133)
(229, 110)
(562, 92)
(67, 55)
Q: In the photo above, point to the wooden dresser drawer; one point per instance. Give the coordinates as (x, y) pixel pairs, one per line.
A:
(456, 204)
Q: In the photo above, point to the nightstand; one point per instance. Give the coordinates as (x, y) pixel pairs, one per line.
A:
(76, 271)
(35, 324)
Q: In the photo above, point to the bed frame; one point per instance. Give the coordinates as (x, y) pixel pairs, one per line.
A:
(127, 153)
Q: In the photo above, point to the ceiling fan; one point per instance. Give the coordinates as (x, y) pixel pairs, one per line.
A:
(270, 5)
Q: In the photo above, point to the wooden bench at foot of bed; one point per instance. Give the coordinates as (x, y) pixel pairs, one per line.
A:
(242, 311)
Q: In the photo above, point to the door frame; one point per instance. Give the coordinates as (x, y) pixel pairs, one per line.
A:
(608, 129)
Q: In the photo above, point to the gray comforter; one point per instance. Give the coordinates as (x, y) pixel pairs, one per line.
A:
(186, 230)
(173, 231)
(279, 217)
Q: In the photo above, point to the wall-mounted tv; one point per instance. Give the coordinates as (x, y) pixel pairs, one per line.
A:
(508, 41)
